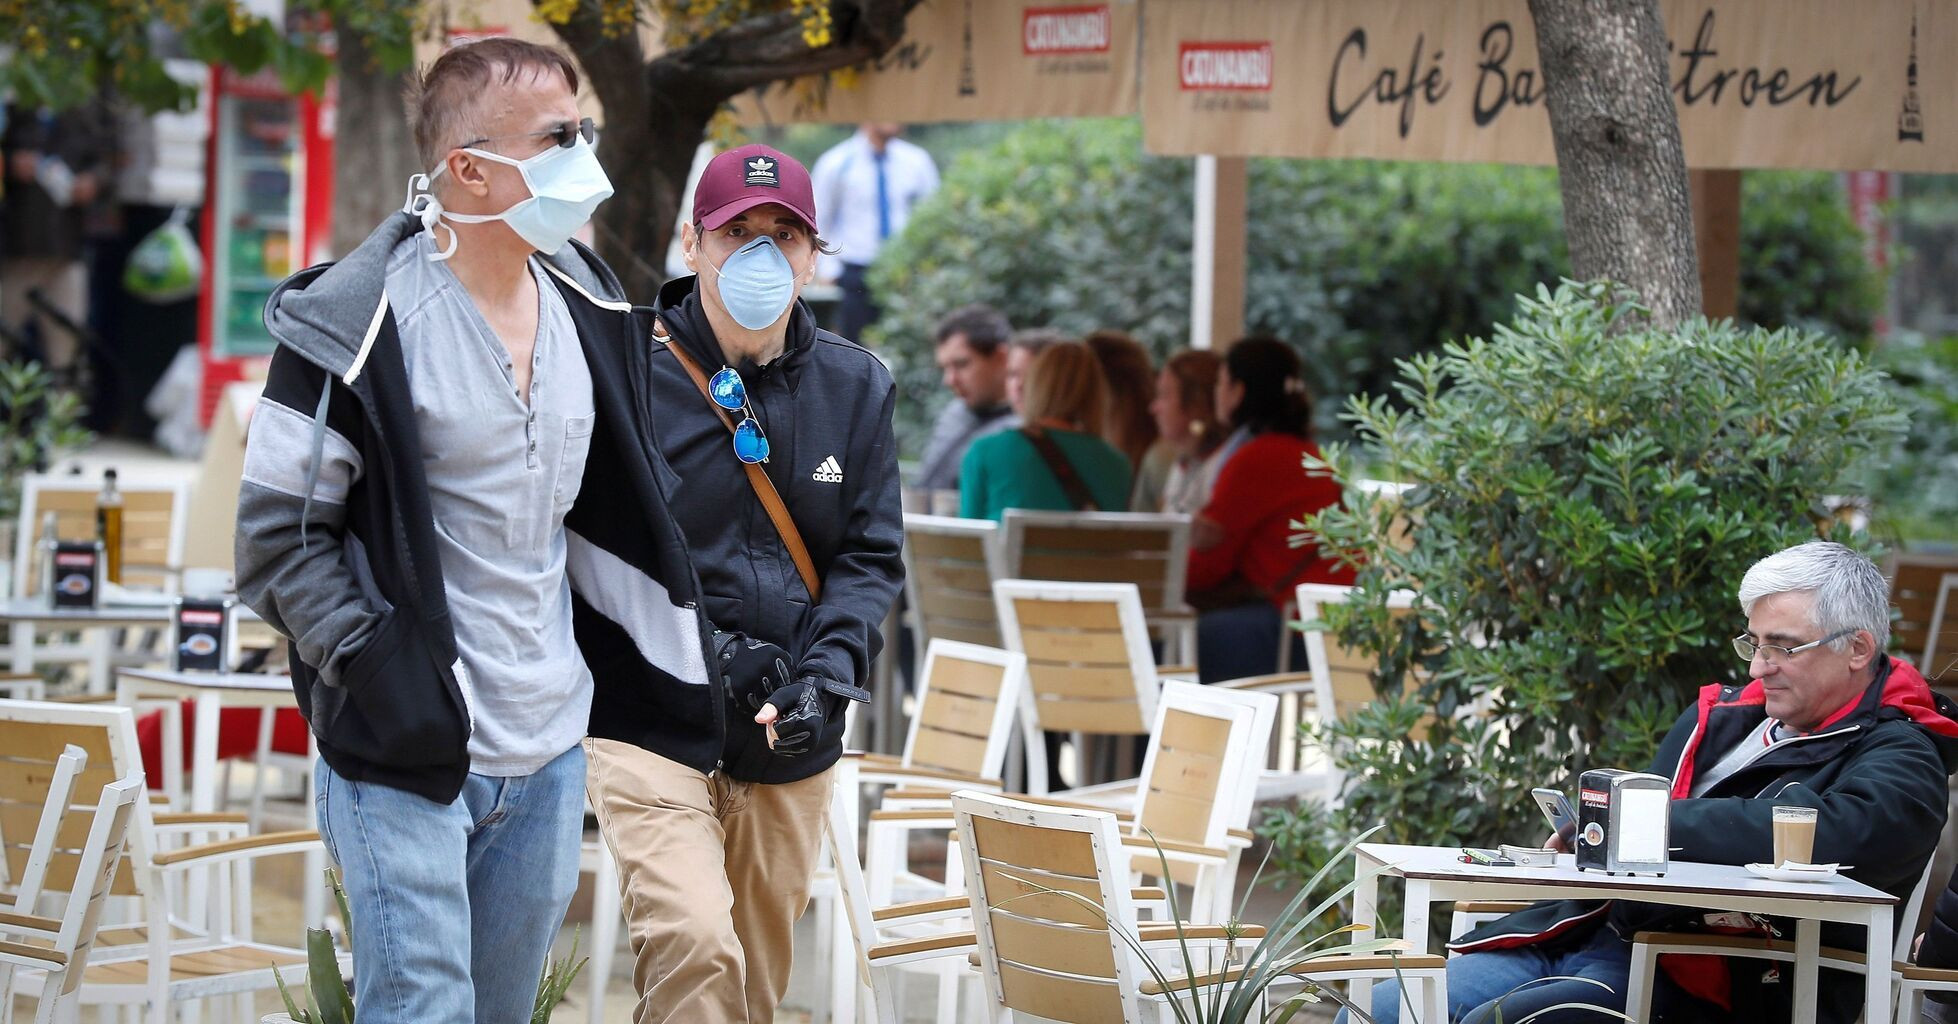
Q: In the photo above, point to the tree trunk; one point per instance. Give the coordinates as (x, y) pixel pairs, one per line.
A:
(1627, 211)
(657, 112)
(375, 154)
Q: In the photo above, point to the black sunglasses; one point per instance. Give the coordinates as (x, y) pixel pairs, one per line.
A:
(566, 135)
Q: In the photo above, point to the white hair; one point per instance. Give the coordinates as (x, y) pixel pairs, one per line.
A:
(1850, 593)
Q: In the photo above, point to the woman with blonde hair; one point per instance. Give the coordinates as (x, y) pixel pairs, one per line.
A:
(1057, 461)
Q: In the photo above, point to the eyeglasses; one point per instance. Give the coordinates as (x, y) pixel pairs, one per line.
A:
(1746, 647)
(566, 135)
(750, 444)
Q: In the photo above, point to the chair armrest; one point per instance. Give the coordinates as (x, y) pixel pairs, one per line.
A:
(1282, 682)
(1242, 838)
(1913, 972)
(1177, 670)
(1073, 805)
(1159, 932)
(1174, 848)
(170, 818)
(922, 910)
(869, 757)
(1754, 947)
(894, 773)
(85, 698)
(928, 947)
(268, 844)
(927, 818)
(12, 922)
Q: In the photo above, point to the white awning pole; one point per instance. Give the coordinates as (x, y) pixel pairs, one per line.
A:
(1203, 252)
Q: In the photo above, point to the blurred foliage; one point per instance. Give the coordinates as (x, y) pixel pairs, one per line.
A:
(1359, 263)
(38, 421)
(1586, 494)
(1916, 491)
(66, 52)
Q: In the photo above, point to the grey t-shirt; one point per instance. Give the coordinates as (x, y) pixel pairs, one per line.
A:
(502, 472)
(952, 433)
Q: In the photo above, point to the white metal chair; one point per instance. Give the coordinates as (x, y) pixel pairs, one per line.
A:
(154, 528)
(949, 568)
(1941, 638)
(1148, 549)
(59, 947)
(1050, 904)
(183, 949)
(1089, 667)
(1647, 947)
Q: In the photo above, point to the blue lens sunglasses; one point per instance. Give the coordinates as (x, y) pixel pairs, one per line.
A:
(750, 444)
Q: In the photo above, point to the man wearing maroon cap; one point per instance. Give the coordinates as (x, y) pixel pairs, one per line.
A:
(715, 802)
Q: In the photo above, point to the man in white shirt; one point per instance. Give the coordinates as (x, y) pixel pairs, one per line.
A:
(866, 187)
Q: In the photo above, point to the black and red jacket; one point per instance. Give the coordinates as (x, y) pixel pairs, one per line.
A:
(1877, 770)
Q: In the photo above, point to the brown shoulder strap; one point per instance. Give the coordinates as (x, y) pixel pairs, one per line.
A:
(1071, 485)
(771, 500)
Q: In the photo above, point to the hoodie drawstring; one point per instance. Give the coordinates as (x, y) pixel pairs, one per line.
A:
(313, 464)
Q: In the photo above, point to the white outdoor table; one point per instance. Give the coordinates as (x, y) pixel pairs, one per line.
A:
(1435, 873)
(209, 693)
(24, 614)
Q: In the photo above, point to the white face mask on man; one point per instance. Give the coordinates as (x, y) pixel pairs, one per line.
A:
(566, 184)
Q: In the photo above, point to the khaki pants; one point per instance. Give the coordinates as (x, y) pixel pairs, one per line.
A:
(714, 873)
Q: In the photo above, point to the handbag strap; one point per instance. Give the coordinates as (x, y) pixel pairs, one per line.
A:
(1077, 492)
(771, 499)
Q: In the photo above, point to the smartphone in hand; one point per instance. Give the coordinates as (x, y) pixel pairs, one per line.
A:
(1557, 811)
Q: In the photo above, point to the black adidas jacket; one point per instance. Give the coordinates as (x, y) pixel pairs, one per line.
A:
(825, 405)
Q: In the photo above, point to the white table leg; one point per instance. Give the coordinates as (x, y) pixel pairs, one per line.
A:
(1415, 928)
(204, 754)
(22, 643)
(101, 646)
(1808, 954)
(1881, 951)
(173, 753)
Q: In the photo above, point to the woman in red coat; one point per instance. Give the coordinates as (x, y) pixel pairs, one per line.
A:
(1242, 564)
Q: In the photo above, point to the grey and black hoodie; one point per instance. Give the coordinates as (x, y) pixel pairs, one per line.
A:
(336, 540)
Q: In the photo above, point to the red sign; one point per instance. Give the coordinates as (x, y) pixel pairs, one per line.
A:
(1224, 67)
(1080, 28)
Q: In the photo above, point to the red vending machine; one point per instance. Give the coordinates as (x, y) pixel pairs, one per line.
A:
(267, 212)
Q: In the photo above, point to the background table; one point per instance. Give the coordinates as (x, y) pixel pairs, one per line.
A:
(1436, 873)
(24, 614)
(208, 692)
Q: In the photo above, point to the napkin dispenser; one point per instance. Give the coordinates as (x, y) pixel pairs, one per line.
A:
(75, 573)
(205, 639)
(1622, 822)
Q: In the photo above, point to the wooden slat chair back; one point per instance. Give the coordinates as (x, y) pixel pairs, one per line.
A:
(949, 568)
(1042, 953)
(1342, 676)
(1250, 756)
(1914, 584)
(1941, 645)
(1150, 550)
(154, 525)
(1196, 786)
(31, 746)
(60, 946)
(163, 964)
(968, 697)
(1089, 666)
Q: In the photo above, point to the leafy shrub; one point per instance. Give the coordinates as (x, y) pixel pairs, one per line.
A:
(1588, 492)
(1359, 263)
(1917, 490)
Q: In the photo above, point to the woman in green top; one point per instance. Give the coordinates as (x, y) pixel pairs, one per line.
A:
(1063, 399)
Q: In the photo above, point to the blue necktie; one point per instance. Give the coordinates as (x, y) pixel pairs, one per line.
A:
(883, 200)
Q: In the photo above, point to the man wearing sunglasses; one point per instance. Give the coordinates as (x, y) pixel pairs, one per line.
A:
(448, 442)
(750, 400)
(1826, 720)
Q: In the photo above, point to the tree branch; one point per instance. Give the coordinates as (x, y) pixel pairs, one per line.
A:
(770, 48)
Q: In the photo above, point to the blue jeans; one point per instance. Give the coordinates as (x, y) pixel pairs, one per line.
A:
(1233, 643)
(455, 905)
(1477, 981)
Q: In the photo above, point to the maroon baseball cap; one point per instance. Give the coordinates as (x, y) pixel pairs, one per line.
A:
(747, 177)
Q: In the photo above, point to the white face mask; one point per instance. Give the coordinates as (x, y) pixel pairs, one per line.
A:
(566, 184)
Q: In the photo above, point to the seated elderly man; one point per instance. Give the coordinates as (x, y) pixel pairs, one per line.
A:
(1828, 721)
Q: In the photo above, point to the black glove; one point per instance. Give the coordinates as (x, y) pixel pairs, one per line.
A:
(802, 710)
(750, 669)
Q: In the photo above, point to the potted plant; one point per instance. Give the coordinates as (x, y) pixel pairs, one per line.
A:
(328, 1000)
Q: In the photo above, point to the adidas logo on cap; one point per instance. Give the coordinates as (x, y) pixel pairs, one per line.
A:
(830, 472)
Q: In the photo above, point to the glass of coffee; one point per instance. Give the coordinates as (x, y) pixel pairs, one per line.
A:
(1794, 835)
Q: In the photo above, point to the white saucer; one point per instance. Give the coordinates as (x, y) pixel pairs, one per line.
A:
(1795, 872)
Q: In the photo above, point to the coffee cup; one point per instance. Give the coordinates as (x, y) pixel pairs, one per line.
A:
(1794, 835)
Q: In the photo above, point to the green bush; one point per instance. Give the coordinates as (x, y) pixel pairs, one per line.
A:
(1588, 492)
(1916, 491)
(1359, 263)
